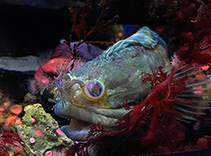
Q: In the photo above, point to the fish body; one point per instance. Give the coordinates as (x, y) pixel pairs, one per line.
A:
(95, 91)
(119, 67)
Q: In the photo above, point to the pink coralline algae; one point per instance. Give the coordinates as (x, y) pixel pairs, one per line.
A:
(202, 143)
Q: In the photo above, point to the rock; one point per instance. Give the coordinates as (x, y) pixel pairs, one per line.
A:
(40, 132)
(22, 64)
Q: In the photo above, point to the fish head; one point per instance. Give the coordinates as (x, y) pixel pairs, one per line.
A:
(97, 91)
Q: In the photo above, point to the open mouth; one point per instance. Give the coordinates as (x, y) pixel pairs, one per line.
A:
(83, 118)
(77, 130)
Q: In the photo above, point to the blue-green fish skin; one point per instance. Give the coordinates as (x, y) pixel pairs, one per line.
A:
(118, 68)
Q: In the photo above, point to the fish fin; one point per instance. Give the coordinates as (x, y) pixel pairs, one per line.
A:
(197, 94)
(144, 37)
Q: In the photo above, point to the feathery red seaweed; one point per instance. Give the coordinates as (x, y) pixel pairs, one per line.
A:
(151, 122)
(9, 138)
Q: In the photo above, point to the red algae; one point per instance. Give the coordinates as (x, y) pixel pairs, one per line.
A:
(202, 143)
(208, 138)
(151, 123)
(164, 91)
(180, 136)
(151, 126)
(187, 148)
(10, 138)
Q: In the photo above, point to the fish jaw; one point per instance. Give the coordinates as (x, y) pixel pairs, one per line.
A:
(83, 118)
(67, 110)
(77, 135)
(79, 130)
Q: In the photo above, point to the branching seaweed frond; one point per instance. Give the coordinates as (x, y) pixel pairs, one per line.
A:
(79, 16)
(9, 138)
(143, 123)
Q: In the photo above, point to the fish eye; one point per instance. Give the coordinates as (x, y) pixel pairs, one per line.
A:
(94, 90)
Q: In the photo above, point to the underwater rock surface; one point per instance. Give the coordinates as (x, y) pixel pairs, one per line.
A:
(22, 64)
(40, 131)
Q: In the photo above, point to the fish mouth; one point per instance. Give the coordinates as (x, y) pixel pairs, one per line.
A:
(77, 130)
(82, 118)
(80, 130)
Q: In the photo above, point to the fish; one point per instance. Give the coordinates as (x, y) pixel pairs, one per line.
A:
(97, 91)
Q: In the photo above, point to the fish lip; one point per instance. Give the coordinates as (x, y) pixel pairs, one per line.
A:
(77, 130)
(110, 112)
(83, 114)
(81, 132)
(89, 115)
(74, 134)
